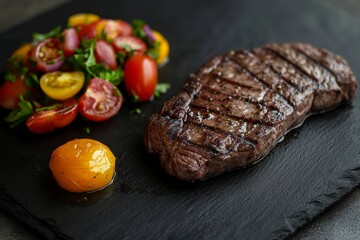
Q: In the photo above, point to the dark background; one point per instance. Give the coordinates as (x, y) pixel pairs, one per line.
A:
(340, 221)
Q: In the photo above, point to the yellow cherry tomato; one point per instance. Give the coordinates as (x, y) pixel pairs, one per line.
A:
(83, 165)
(22, 53)
(82, 18)
(62, 85)
(164, 48)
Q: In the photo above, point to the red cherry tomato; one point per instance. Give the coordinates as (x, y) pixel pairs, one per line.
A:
(122, 42)
(71, 42)
(104, 53)
(141, 76)
(87, 31)
(10, 91)
(49, 120)
(113, 28)
(47, 55)
(101, 100)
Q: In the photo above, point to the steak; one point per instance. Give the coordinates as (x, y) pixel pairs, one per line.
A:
(234, 109)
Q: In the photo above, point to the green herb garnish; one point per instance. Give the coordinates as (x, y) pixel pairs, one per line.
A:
(161, 88)
(38, 37)
(20, 114)
(135, 111)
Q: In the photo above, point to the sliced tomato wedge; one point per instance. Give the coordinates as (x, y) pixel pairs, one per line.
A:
(47, 55)
(71, 41)
(10, 91)
(127, 43)
(113, 28)
(48, 120)
(87, 31)
(101, 100)
(104, 53)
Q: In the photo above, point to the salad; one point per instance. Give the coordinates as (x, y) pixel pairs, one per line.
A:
(78, 70)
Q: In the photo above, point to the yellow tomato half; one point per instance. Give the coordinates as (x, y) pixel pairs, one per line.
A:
(164, 48)
(82, 18)
(83, 165)
(62, 85)
(22, 53)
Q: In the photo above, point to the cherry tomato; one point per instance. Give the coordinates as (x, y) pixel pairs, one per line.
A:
(22, 53)
(122, 42)
(82, 19)
(83, 165)
(87, 31)
(48, 120)
(47, 55)
(62, 85)
(113, 28)
(10, 91)
(140, 75)
(71, 41)
(164, 48)
(104, 53)
(101, 100)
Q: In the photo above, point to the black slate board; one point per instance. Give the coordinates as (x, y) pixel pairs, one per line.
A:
(312, 168)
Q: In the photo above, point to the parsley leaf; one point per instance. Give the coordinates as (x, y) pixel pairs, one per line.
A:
(85, 59)
(38, 37)
(138, 31)
(161, 88)
(20, 114)
(86, 130)
(135, 111)
(47, 107)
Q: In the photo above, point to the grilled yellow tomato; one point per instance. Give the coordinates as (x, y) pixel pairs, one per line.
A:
(82, 19)
(83, 165)
(164, 48)
(62, 85)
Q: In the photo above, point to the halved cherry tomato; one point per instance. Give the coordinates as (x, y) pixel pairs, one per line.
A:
(164, 48)
(47, 55)
(71, 41)
(87, 31)
(22, 53)
(10, 91)
(121, 43)
(141, 76)
(101, 100)
(48, 120)
(82, 19)
(113, 28)
(62, 85)
(104, 53)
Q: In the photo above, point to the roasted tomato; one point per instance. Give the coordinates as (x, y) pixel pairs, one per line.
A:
(83, 165)
(48, 120)
(104, 53)
(113, 28)
(82, 19)
(164, 48)
(101, 100)
(127, 43)
(10, 91)
(140, 75)
(62, 85)
(47, 55)
(71, 41)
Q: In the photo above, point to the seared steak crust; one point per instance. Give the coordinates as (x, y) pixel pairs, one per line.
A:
(238, 105)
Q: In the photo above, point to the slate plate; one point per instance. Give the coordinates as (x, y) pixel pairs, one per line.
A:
(312, 168)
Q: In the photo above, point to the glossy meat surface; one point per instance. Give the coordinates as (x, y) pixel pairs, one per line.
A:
(238, 105)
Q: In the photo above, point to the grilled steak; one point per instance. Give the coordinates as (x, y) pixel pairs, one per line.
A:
(238, 105)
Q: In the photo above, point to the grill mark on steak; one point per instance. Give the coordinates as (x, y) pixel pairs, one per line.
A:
(230, 113)
(249, 131)
(286, 69)
(250, 64)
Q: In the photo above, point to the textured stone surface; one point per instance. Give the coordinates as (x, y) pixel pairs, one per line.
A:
(338, 222)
